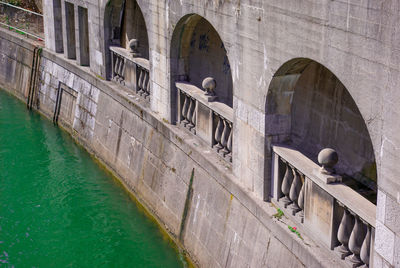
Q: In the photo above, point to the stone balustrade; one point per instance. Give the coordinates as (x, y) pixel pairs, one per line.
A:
(332, 214)
(129, 71)
(118, 68)
(188, 112)
(210, 120)
(143, 81)
(223, 135)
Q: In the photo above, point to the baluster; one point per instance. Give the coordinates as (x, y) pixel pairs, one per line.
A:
(355, 242)
(147, 81)
(286, 183)
(122, 73)
(121, 66)
(194, 117)
(294, 192)
(300, 201)
(229, 145)
(218, 133)
(365, 248)
(140, 84)
(185, 108)
(114, 62)
(343, 235)
(139, 79)
(116, 67)
(190, 113)
(143, 85)
(147, 91)
(224, 138)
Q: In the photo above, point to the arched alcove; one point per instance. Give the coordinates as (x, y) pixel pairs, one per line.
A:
(197, 52)
(124, 21)
(199, 58)
(308, 108)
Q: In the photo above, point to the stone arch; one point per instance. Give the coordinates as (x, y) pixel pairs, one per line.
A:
(197, 52)
(123, 21)
(308, 108)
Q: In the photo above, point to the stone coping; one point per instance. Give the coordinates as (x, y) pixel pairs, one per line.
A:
(341, 192)
(195, 92)
(20, 40)
(145, 63)
(309, 253)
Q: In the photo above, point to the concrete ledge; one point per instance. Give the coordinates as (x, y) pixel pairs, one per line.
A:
(19, 40)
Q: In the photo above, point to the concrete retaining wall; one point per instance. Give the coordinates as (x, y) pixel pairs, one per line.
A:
(163, 165)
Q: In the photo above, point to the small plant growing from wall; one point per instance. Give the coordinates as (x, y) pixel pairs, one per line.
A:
(14, 2)
(279, 214)
(294, 230)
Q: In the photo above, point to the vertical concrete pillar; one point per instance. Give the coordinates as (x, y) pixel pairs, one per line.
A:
(82, 32)
(68, 14)
(48, 24)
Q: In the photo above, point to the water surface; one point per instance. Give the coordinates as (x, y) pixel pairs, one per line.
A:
(59, 209)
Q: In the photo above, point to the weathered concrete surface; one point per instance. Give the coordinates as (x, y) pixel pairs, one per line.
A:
(15, 64)
(69, 31)
(358, 41)
(321, 113)
(226, 225)
(134, 16)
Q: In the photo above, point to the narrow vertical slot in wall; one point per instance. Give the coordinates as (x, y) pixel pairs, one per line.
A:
(70, 30)
(83, 26)
(58, 31)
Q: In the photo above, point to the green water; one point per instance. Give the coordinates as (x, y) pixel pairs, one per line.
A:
(59, 209)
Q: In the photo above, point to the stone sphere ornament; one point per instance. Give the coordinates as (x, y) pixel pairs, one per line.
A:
(209, 85)
(328, 158)
(134, 46)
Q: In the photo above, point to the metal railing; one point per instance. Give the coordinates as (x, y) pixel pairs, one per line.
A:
(21, 20)
(331, 213)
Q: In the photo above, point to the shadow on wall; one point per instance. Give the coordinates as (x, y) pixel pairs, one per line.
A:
(124, 21)
(197, 52)
(308, 108)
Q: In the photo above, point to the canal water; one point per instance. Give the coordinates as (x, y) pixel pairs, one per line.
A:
(58, 208)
